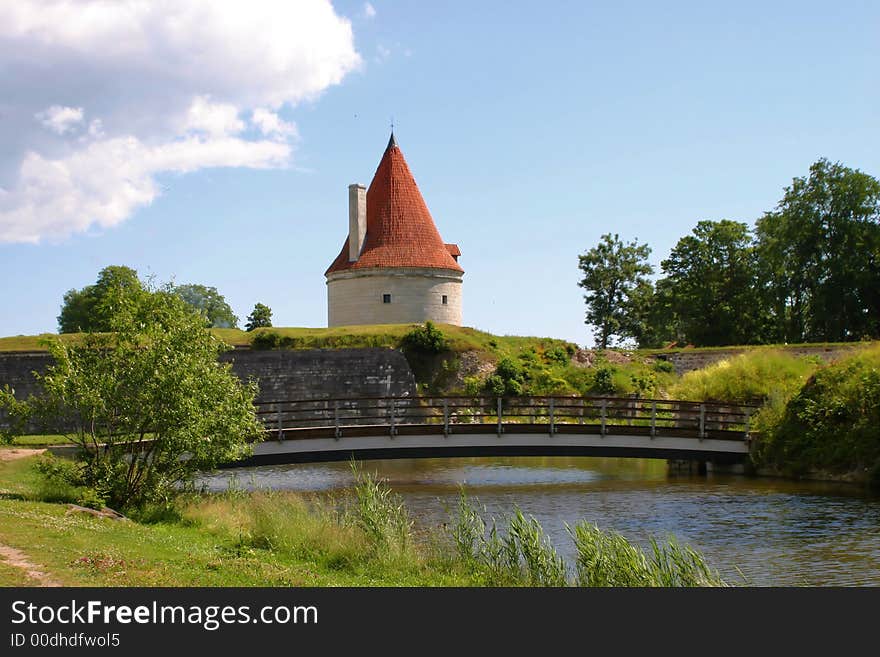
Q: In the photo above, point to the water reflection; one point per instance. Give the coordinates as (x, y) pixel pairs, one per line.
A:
(773, 532)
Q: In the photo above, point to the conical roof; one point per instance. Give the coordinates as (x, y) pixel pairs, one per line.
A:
(400, 230)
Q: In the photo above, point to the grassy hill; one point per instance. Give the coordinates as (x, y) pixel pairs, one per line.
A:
(378, 335)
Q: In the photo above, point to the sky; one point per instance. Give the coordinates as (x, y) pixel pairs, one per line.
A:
(213, 141)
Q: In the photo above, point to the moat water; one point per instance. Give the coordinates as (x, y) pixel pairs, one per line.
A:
(754, 531)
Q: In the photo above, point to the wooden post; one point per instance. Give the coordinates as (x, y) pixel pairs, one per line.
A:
(500, 428)
(653, 419)
(338, 431)
(702, 421)
(445, 417)
(748, 421)
(604, 405)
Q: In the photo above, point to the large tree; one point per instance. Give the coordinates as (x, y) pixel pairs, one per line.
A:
(614, 279)
(819, 252)
(209, 303)
(91, 308)
(260, 317)
(710, 286)
(153, 384)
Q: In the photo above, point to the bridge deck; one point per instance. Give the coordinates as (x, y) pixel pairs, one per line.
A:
(341, 429)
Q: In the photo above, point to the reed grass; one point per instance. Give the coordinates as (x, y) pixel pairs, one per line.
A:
(524, 556)
(606, 558)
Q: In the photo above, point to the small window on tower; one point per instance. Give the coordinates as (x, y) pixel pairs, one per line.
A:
(444, 300)
(386, 298)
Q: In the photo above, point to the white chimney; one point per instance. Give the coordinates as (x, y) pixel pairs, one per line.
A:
(357, 220)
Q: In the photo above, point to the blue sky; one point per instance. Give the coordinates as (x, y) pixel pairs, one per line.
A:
(531, 129)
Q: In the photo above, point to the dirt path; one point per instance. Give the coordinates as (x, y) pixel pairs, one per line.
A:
(18, 559)
(18, 453)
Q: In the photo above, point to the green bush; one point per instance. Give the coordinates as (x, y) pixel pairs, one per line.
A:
(426, 339)
(664, 366)
(831, 424)
(90, 498)
(603, 380)
(508, 379)
(266, 340)
(557, 355)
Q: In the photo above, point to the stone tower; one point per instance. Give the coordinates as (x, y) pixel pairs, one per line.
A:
(394, 267)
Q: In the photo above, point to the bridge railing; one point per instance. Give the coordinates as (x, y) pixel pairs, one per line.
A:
(603, 414)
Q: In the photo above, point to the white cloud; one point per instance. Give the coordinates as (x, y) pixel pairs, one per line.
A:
(127, 90)
(215, 119)
(269, 123)
(369, 10)
(60, 119)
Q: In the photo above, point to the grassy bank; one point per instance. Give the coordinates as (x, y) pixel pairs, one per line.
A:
(830, 426)
(264, 538)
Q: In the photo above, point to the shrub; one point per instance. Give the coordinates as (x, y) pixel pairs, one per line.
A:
(603, 380)
(664, 366)
(557, 355)
(832, 423)
(265, 340)
(427, 339)
(149, 405)
(508, 379)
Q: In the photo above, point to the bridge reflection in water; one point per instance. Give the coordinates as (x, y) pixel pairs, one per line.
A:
(300, 431)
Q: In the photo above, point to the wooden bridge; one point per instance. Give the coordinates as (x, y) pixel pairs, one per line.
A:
(406, 427)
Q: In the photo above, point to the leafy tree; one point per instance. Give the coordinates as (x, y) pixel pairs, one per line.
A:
(260, 317)
(209, 303)
(612, 272)
(153, 383)
(91, 308)
(819, 256)
(710, 285)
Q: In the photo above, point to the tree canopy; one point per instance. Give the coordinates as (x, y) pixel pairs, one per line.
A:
(209, 303)
(810, 272)
(91, 308)
(820, 256)
(614, 275)
(710, 285)
(260, 317)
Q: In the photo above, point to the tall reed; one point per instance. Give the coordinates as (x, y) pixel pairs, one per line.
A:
(608, 559)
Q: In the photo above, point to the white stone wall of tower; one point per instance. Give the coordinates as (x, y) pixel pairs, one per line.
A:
(355, 296)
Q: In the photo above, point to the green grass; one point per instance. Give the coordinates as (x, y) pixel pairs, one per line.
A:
(260, 539)
(755, 376)
(40, 440)
(784, 346)
(271, 538)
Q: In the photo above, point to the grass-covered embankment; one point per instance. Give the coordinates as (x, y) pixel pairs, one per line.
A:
(268, 538)
(831, 425)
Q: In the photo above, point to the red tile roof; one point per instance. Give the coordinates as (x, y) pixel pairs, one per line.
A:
(400, 230)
